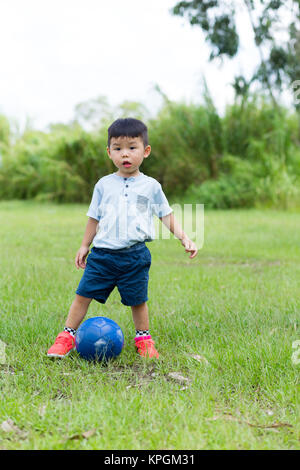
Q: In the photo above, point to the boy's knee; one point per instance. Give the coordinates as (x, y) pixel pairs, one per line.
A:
(82, 300)
(139, 305)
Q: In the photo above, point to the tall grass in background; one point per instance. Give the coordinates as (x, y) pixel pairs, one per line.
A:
(61, 165)
(247, 158)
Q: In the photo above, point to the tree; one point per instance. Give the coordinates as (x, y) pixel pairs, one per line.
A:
(97, 112)
(91, 114)
(279, 60)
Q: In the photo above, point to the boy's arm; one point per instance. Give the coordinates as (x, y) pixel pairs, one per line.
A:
(90, 232)
(175, 227)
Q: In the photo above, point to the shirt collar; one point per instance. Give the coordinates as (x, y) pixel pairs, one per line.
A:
(133, 178)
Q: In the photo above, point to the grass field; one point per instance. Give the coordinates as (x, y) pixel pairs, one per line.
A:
(224, 322)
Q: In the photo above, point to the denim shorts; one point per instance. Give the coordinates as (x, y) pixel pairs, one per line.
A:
(126, 268)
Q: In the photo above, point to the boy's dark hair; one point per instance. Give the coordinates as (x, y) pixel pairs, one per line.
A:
(128, 127)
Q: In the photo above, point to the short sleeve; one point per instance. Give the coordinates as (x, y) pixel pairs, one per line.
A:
(94, 210)
(160, 206)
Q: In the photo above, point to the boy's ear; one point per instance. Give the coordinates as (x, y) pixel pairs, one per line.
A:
(108, 152)
(147, 151)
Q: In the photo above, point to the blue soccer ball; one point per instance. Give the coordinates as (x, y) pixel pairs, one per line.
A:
(99, 339)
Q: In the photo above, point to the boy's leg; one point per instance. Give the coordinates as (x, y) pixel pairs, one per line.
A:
(77, 311)
(143, 340)
(140, 316)
(65, 341)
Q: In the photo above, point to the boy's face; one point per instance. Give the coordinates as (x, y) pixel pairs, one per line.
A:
(128, 153)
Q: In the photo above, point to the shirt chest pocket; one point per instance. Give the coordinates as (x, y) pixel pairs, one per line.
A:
(142, 203)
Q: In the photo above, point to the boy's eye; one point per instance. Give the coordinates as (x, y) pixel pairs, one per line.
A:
(131, 148)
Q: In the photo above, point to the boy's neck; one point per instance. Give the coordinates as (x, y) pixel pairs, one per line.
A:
(128, 175)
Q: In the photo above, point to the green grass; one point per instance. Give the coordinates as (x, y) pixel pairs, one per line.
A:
(236, 304)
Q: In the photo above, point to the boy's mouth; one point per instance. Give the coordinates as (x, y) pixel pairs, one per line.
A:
(126, 164)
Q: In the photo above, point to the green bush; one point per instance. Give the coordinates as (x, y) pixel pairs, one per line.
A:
(242, 184)
(249, 157)
(59, 166)
(234, 188)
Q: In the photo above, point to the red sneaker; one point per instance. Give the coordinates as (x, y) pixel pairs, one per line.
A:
(145, 347)
(62, 346)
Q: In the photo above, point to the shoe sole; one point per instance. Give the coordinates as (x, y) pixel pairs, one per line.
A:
(60, 355)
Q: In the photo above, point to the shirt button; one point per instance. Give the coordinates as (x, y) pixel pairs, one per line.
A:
(126, 185)
(126, 194)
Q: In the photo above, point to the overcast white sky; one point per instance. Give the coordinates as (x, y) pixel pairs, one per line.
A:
(57, 53)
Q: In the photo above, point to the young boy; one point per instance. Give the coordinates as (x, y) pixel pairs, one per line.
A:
(120, 222)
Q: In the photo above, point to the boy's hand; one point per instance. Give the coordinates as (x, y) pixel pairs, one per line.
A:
(81, 257)
(189, 246)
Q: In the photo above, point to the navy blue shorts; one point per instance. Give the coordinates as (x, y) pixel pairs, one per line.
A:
(126, 268)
